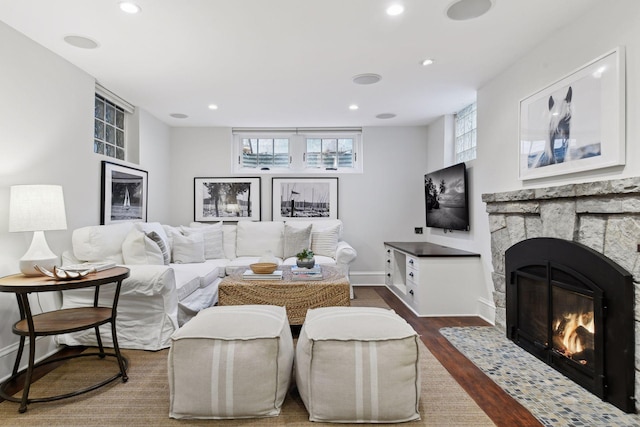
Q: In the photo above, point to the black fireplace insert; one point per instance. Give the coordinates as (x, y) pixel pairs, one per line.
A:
(572, 308)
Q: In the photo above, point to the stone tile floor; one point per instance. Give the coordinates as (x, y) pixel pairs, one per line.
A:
(551, 397)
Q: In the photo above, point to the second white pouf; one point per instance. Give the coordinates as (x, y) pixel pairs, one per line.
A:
(231, 362)
(358, 365)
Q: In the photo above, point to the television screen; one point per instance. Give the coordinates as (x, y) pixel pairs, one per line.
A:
(446, 198)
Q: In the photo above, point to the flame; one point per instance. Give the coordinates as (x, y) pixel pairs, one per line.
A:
(566, 329)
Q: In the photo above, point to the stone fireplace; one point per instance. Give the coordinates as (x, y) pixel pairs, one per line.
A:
(602, 216)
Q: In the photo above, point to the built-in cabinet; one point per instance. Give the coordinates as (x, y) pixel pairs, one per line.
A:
(433, 280)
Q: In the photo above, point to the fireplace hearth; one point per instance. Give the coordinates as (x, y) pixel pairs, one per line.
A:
(573, 308)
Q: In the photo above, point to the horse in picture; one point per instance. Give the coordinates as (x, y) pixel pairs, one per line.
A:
(557, 145)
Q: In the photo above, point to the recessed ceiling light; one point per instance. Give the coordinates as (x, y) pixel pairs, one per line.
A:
(395, 9)
(461, 10)
(129, 7)
(353, 107)
(178, 115)
(385, 116)
(427, 61)
(213, 107)
(366, 79)
(81, 42)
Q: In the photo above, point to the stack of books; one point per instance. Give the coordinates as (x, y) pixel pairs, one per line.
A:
(97, 266)
(314, 273)
(250, 275)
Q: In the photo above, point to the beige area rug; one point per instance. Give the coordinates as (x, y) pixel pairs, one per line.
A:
(144, 399)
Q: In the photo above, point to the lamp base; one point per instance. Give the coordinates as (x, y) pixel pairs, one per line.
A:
(38, 254)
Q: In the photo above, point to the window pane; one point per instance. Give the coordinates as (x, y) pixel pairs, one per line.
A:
(119, 119)
(345, 153)
(120, 138)
(110, 150)
(265, 152)
(99, 109)
(110, 114)
(98, 129)
(120, 153)
(98, 146)
(111, 134)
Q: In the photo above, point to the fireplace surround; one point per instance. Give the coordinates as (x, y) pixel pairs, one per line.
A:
(603, 216)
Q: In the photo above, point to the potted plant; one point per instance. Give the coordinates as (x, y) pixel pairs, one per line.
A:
(305, 259)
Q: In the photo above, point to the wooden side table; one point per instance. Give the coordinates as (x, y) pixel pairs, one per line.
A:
(60, 322)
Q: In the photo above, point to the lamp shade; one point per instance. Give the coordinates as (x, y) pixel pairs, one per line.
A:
(37, 208)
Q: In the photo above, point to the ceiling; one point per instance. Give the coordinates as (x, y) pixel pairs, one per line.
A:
(291, 62)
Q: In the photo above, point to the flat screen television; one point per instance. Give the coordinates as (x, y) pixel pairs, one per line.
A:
(446, 198)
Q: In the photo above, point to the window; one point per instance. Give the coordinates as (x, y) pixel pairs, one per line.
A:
(465, 133)
(297, 150)
(110, 116)
(259, 153)
(329, 153)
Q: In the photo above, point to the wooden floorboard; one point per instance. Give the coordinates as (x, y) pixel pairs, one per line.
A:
(498, 405)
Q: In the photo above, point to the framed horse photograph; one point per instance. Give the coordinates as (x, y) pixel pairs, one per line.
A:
(577, 123)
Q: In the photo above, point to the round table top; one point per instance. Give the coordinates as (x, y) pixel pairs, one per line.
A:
(19, 283)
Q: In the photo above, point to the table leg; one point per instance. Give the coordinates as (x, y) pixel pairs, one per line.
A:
(32, 353)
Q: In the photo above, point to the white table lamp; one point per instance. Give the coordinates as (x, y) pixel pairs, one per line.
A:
(37, 208)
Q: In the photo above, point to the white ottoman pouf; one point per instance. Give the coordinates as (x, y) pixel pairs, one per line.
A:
(358, 365)
(231, 362)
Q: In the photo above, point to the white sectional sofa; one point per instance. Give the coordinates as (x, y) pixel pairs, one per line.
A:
(175, 271)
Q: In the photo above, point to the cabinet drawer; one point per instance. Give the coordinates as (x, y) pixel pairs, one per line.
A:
(412, 276)
(412, 263)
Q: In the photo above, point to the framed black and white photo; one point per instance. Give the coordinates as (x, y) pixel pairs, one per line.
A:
(123, 194)
(577, 123)
(299, 198)
(226, 199)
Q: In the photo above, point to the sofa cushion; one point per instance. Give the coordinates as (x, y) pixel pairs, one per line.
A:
(296, 239)
(213, 241)
(325, 241)
(187, 249)
(163, 245)
(258, 238)
(101, 242)
(229, 234)
(138, 248)
(318, 224)
(148, 227)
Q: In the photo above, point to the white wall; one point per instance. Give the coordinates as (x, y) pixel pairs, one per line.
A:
(46, 137)
(382, 204)
(495, 169)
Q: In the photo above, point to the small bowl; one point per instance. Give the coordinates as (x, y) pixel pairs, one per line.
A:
(263, 267)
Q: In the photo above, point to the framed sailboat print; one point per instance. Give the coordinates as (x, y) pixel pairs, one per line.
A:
(123, 194)
(304, 198)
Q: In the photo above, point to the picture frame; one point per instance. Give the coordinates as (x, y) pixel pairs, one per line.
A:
(577, 123)
(124, 194)
(226, 199)
(304, 198)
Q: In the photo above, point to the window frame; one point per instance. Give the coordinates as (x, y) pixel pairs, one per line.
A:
(119, 105)
(297, 149)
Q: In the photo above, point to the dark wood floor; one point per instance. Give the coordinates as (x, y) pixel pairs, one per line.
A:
(498, 405)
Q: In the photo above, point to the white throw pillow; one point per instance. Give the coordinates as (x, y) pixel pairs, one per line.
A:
(138, 249)
(148, 227)
(325, 242)
(258, 238)
(296, 239)
(213, 239)
(187, 249)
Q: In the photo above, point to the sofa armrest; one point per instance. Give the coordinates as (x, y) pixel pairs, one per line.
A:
(345, 255)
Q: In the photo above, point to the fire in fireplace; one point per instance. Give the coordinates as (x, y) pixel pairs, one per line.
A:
(572, 307)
